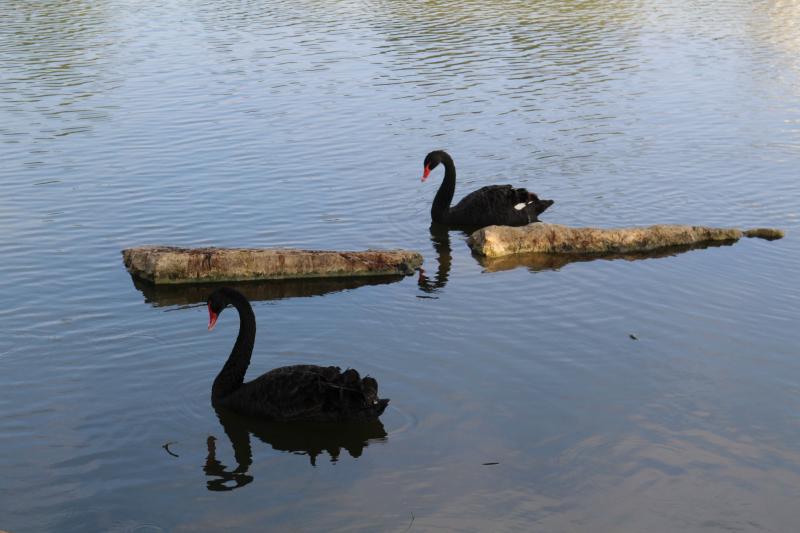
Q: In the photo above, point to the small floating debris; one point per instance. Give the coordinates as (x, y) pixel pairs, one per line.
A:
(166, 447)
(410, 523)
(46, 182)
(498, 241)
(633, 337)
(490, 464)
(172, 265)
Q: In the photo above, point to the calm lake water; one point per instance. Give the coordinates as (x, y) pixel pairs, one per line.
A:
(305, 124)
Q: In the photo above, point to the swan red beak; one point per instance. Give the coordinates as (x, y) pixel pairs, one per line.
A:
(426, 173)
(212, 319)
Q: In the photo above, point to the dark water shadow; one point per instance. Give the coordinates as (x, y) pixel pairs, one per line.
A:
(537, 262)
(299, 438)
(173, 295)
(440, 238)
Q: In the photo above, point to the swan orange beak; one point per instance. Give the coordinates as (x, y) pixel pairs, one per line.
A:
(212, 319)
(426, 173)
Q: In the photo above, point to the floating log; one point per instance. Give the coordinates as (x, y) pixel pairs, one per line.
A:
(171, 265)
(498, 241)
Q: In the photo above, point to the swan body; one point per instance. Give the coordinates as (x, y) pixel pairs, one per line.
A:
(297, 392)
(502, 205)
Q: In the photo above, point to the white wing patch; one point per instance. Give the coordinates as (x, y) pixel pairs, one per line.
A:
(520, 206)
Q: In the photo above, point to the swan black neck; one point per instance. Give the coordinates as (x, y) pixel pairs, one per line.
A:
(441, 203)
(232, 374)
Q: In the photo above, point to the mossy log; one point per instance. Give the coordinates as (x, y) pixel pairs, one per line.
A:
(498, 241)
(171, 265)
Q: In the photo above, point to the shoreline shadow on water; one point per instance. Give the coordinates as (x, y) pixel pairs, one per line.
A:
(299, 438)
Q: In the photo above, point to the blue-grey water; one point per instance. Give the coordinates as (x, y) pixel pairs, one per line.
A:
(305, 124)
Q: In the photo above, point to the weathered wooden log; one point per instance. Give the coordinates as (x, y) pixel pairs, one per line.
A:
(171, 265)
(497, 241)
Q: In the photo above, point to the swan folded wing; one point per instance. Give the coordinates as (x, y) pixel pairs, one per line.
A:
(308, 392)
(491, 204)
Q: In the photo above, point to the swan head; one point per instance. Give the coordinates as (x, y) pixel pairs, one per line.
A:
(432, 160)
(216, 303)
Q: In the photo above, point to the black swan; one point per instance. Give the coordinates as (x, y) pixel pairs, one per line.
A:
(298, 392)
(501, 205)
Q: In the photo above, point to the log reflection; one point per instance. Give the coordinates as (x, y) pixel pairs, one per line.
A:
(536, 262)
(169, 295)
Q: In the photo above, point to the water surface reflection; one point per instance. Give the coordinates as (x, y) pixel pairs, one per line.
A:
(300, 438)
(169, 295)
(440, 238)
(536, 262)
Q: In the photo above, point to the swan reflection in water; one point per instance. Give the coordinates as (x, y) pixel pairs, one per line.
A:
(440, 237)
(299, 438)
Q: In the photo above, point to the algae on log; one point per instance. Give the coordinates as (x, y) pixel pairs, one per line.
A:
(497, 241)
(171, 265)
